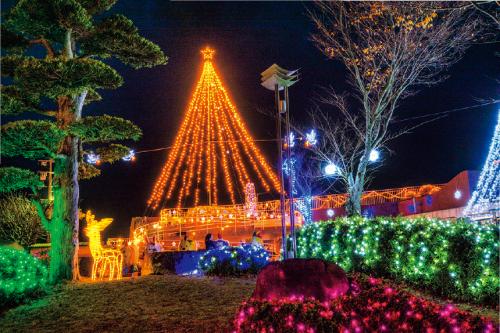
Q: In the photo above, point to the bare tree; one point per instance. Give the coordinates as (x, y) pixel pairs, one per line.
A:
(19, 221)
(488, 10)
(389, 50)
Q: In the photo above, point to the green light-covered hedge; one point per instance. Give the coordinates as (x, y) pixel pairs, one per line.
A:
(22, 276)
(455, 259)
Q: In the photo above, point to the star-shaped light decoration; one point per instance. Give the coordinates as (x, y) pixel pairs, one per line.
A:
(311, 139)
(208, 53)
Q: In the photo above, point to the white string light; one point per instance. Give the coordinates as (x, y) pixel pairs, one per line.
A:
(486, 196)
(92, 158)
(130, 156)
(291, 140)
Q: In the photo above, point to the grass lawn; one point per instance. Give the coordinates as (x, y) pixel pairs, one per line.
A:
(165, 303)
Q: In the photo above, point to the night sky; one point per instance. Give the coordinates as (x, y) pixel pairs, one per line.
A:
(249, 37)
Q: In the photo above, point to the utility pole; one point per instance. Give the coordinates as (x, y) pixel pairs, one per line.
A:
(278, 79)
(282, 179)
(291, 173)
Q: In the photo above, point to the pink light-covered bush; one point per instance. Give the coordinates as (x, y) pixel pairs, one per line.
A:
(370, 306)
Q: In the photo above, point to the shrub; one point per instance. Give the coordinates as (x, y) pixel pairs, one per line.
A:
(457, 259)
(19, 221)
(22, 276)
(372, 306)
(234, 261)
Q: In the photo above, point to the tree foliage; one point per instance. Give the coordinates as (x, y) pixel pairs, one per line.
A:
(87, 171)
(105, 129)
(117, 36)
(58, 76)
(19, 221)
(32, 139)
(97, 6)
(50, 19)
(14, 102)
(13, 43)
(14, 179)
(112, 153)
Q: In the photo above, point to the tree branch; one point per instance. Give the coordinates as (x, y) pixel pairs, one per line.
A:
(50, 51)
(484, 12)
(41, 213)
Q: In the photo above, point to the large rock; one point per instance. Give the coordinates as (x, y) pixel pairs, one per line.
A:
(301, 279)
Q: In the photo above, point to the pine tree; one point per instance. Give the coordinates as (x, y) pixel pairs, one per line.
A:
(75, 38)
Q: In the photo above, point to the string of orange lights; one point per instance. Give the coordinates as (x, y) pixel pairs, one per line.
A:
(212, 139)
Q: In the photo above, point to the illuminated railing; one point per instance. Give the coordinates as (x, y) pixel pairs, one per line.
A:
(376, 197)
(174, 221)
(222, 217)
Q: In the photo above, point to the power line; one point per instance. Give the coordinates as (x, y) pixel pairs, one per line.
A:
(496, 101)
(491, 102)
(201, 143)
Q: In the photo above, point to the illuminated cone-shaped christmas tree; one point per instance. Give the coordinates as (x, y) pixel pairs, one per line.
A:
(486, 197)
(212, 147)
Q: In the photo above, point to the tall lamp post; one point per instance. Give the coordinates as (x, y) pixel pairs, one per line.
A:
(280, 79)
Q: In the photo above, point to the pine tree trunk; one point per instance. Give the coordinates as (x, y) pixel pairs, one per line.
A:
(70, 111)
(65, 224)
(72, 196)
(62, 249)
(75, 194)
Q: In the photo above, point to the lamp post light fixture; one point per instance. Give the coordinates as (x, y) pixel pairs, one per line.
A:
(331, 169)
(374, 155)
(279, 80)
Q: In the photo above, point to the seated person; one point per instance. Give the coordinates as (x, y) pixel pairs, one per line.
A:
(153, 246)
(220, 242)
(256, 238)
(187, 244)
(191, 245)
(209, 243)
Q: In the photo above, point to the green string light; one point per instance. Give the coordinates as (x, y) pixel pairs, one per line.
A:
(453, 258)
(21, 276)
